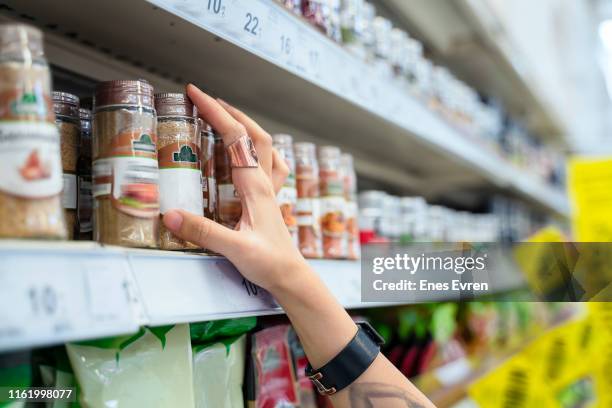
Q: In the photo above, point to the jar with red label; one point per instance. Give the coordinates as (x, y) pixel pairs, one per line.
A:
(125, 169)
(229, 207)
(178, 155)
(349, 178)
(66, 107)
(207, 163)
(333, 221)
(30, 162)
(287, 196)
(308, 209)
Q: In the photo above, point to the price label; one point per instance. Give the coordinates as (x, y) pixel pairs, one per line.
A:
(243, 294)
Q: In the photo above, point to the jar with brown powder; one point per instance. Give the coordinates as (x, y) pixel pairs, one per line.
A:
(125, 170)
(229, 207)
(287, 196)
(66, 107)
(308, 211)
(333, 221)
(84, 197)
(30, 161)
(178, 151)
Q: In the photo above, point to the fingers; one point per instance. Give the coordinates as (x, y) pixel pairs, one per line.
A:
(280, 171)
(201, 231)
(214, 114)
(261, 139)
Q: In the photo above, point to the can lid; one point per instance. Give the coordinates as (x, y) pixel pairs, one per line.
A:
(65, 104)
(174, 104)
(137, 92)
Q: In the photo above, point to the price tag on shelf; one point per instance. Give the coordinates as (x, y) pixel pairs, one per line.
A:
(242, 293)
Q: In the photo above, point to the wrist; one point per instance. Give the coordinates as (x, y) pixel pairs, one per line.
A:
(291, 279)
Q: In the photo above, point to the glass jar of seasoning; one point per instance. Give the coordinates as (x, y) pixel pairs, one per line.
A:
(229, 207)
(333, 221)
(349, 178)
(287, 196)
(308, 211)
(66, 107)
(125, 169)
(30, 160)
(178, 154)
(207, 163)
(84, 197)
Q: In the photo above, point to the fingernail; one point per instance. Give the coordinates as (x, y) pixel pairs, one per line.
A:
(173, 220)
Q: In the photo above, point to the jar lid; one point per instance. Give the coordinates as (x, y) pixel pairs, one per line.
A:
(330, 152)
(65, 104)
(137, 92)
(282, 139)
(174, 104)
(14, 38)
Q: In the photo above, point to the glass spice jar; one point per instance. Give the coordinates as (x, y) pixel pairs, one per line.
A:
(333, 221)
(287, 196)
(229, 207)
(178, 154)
(207, 163)
(66, 107)
(125, 169)
(308, 211)
(84, 196)
(349, 178)
(30, 159)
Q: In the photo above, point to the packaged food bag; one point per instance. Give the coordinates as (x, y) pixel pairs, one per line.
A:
(151, 369)
(207, 332)
(15, 371)
(218, 371)
(55, 372)
(304, 385)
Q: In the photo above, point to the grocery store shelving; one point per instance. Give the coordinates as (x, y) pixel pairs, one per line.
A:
(255, 54)
(52, 292)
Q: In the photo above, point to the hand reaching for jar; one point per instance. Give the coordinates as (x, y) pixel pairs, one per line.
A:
(261, 246)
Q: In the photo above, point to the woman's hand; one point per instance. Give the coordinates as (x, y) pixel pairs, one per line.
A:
(261, 246)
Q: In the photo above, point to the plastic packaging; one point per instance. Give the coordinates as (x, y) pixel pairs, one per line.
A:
(353, 248)
(213, 330)
(287, 196)
(209, 181)
(66, 107)
(308, 205)
(125, 169)
(178, 153)
(229, 207)
(305, 387)
(150, 369)
(333, 221)
(30, 161)
(84, 186)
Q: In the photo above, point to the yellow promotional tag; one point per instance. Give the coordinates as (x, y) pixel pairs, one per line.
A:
(590, 191)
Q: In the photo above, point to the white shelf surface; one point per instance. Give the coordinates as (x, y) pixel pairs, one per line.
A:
(53, 292)
(257, 55)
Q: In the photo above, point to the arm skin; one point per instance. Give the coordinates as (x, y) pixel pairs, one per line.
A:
(263, 251)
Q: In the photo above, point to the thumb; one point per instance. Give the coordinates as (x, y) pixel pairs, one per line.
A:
(201, 231)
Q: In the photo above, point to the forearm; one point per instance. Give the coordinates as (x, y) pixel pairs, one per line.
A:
(325, 328)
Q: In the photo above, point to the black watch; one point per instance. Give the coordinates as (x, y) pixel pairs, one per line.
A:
(350, 363)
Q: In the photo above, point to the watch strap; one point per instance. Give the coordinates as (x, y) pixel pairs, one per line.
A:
(349, 364)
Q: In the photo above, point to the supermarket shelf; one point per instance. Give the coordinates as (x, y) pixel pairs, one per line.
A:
(257, 55)
(52, 292)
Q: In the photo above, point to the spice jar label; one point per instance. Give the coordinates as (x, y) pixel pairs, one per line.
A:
(30, 163)
(333, 226)
(23, 104)
(209, 189)
(352, 230)
(69, 198)
(287, 200)
(180, 177)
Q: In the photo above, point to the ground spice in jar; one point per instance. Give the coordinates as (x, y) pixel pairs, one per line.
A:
(178, 151)
(333, 222)
(84, 197)
(308, 212)
(125, 170)
(207, 163)
(349, 178)
(287, 196)
(229, 207)
(66, 107)
(30, 161)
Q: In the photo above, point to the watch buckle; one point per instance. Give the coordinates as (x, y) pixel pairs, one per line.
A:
(315, 378)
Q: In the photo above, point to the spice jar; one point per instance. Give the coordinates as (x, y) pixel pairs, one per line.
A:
(229, 207)
(308, 210)
(66, 107)
(84, 197)
(30, 160)
(178, 154)
(333, 222)
(370, 216)
(287, 196)
(349, 179)
(207, 163)
(317, 13)
(293, 5)
(125, 170)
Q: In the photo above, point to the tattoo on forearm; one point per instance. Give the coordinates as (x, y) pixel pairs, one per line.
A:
(376, 395)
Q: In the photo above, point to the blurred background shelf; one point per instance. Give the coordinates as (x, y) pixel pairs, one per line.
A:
(292, 79)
